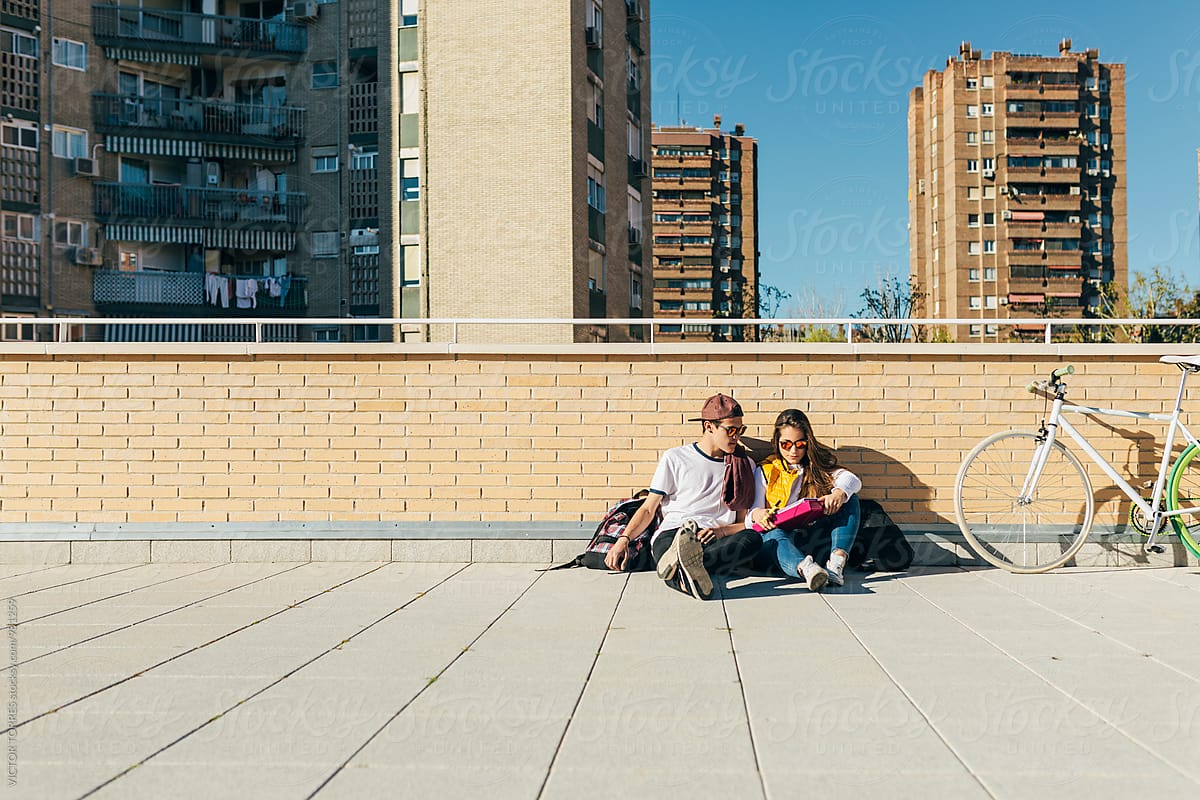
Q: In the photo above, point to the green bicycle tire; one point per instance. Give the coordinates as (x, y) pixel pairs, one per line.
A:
(1186, 533)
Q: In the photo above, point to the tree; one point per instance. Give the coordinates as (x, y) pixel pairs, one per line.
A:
(1159, 295)
(892, 298)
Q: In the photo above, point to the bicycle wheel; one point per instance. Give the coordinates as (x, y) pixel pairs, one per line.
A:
(1183, 492)
(1034, 535)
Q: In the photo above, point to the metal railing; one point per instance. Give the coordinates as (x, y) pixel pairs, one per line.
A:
(146, 287)
(171, 115)
(148, 28)
(853, 328)
(196, 204)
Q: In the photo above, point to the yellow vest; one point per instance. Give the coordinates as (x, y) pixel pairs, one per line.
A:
(779, 481)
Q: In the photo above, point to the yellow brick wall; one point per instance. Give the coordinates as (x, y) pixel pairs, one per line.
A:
(551, 436)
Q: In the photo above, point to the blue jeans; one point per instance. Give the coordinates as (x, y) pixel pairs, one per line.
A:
(780, 546)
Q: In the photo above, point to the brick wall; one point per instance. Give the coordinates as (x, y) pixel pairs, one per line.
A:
(370, 436)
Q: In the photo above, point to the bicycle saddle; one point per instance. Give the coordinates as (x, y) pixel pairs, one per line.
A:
(1183, 362)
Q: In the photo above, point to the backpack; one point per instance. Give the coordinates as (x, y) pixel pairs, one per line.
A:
(612, 526)
(880, 544)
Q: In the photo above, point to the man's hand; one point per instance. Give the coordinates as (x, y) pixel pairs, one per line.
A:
(618, 554)
(834, 501)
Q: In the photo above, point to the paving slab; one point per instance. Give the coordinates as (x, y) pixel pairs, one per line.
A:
(353, 680)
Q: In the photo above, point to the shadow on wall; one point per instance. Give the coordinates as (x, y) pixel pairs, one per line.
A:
(887, 481)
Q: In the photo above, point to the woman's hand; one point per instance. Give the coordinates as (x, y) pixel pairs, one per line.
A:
(764, 518)
(834, 501)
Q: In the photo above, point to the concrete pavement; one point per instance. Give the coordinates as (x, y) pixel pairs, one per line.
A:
(353, 680)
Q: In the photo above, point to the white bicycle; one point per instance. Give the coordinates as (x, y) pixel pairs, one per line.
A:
(1025, 504)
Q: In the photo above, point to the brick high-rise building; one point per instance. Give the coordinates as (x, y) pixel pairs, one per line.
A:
(1017, 187)
(705, 229)
(357, 159)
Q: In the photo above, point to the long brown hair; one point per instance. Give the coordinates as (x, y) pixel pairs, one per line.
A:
(819, 461)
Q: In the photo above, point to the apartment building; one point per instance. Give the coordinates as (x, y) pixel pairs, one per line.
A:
(1017, 187)
(533, 141)
(705, 229)
(272, 159)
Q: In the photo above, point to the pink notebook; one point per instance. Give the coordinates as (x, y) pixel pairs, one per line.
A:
(797, 515)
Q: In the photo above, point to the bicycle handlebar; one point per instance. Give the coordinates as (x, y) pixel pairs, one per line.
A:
(1041, 386)
(1063, 371)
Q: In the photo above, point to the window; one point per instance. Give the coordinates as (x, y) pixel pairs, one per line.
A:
(70, 233)
(989, 137)
(70, 54)
(989, 218)
(988, 110)
(972, 220)
(989, 163)
(17, 135)
(973, 248)
(595, 188)
(972, 137)
(324, 75)
(410, 179)
(972, 83)
(364, 157)
(989, 82)
(975, 303)
(989, 245)
(972, 111)
(19, 43)
(972, 192)
(69, 142)
(972, 274)
(596, 108)
(989, 193)
(990, 301)
(324, 244)
(325, 158)
(21, 226)
(989, 273)
(1089, 84)
(972, 165)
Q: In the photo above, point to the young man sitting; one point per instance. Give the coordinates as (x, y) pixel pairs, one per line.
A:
(704, 489)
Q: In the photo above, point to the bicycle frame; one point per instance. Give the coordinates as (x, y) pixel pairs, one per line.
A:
(1153, 511)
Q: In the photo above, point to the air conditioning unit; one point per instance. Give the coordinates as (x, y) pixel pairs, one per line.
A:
(1104, 146)
(1005, 214)
(85, 166)
(592, 35)
(635, 236)
(989, 173)
(1106, 173)
(921, 186)
(87, 256)
(1073, 219)
(1093, 172)
(213, 173)
(306, 9)
(1003, 190)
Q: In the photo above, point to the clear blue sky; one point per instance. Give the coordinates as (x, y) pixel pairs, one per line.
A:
(824, 88)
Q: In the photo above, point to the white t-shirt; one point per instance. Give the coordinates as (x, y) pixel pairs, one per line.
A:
(692, 485)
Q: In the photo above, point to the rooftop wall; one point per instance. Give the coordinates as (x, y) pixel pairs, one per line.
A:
(168, 438)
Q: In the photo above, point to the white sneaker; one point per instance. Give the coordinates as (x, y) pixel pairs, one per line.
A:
(835, 567)
(670, 560)
(691, 562)
(813, 575)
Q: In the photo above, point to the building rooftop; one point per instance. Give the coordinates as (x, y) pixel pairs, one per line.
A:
(375, 679)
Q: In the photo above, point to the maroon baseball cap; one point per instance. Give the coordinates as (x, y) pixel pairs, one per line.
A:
(718, 407)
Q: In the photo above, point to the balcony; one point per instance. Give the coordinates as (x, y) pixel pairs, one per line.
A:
(19, 89)
(154, 35)
(364, 109)
(19, 173)
(174, 204)
(20, 275)
(232, 122)
(186, 290)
